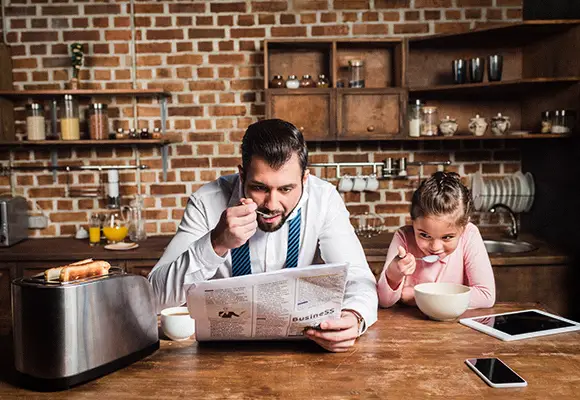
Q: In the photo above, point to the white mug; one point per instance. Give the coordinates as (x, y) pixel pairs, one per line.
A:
(360, 183)
(176, 323)
(372, 184)
(345, 184)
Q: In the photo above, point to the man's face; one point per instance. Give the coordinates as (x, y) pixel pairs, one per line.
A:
(437, 235)
(276, 192)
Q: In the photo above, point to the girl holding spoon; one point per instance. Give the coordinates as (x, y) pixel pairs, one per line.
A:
(440, 245)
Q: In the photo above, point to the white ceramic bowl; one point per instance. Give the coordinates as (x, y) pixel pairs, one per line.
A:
(176, 323)
(442, 301)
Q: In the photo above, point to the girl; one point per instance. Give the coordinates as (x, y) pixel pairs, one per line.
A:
(440, 211)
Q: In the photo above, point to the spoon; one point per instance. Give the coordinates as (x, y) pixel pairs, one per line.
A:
(430, 259)
(263, 214)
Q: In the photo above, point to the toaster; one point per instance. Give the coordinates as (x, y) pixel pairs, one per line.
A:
(13, 220)
(66, 333)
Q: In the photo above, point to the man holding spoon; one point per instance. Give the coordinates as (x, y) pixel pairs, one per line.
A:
(271, 215)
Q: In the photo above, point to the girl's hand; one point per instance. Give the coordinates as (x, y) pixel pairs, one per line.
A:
(402, 265)
(408, 296)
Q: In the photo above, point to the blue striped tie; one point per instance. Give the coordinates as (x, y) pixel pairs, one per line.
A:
(241, 264)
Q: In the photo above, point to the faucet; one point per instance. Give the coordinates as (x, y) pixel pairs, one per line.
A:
(513, 231)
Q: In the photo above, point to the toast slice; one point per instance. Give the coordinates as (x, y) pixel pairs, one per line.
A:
(53, 274)
(74, 272)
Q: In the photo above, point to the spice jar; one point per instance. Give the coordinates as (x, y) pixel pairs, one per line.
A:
(98, 121)
(35, 122)
(415, 119)
(277, 82)
(69, 119)
(356, 71)
(563, 121)
(292, 82)
(429, 121)
(322, 81)
(546, 122)
(307, 82)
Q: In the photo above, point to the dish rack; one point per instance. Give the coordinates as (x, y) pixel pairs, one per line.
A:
(368, 224)
(515, 191)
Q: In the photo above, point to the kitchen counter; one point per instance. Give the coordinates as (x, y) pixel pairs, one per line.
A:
(404, 355)
(152, 249)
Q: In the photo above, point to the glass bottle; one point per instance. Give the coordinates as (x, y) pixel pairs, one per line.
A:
(277, 82)
(546, 122)
(98, 121)
(415, 118)
(69, 119)
(95, 230)
(356, 74)
(429, 121)
(322, 81)
(307, 82)
(35, 122)
(292, 82)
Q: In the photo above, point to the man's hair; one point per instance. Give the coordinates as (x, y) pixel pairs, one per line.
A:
(443, 194)
(273, 140)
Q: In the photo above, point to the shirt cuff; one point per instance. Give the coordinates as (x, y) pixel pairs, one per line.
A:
(207, 254)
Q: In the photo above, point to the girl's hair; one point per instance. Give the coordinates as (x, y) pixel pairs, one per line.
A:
(443, 194)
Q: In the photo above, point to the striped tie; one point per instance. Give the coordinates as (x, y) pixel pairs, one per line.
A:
(241, 264)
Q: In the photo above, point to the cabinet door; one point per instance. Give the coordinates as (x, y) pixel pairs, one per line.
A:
(370, 114)
(5, 298)
(310, 110)
(140, 267)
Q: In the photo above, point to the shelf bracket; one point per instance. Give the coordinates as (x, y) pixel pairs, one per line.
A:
(163, 101)
(164, 152)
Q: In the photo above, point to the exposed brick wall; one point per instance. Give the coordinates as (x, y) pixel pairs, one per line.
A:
(209, 56)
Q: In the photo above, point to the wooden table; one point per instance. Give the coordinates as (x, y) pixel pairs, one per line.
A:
(403, 356)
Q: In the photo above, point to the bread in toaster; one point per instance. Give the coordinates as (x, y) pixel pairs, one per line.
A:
(53, 274)
(74, 272)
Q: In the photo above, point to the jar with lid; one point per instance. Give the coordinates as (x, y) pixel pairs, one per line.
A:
(307, 82)
(323, 81)
(356, 74)
(415, 118)
(98, 121)
(429, 121)
(35, 122)
(563, 121)
(292, 82)
(546, 122)
(69, 119)
(277, 82)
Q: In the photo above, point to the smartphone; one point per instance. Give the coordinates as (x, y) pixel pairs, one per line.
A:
(495, 372)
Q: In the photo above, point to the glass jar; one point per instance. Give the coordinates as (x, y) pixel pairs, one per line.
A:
(69, 119)
(356, 74)
(415, 118)
(563, 121)
(292, 82)
(323, 81)
(307, 82)
(98, 121)
(277, 82)
(429, 121)
(35, 122)
(546, 122)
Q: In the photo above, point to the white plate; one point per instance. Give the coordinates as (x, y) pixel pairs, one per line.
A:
(477, 190)
(121, 246)
(532, 186)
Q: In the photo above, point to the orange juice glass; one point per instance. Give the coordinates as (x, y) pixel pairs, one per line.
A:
(115, 234)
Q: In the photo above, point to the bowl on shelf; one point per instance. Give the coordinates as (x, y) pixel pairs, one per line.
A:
(442, 301)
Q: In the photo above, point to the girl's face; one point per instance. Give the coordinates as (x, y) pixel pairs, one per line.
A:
(437, 234)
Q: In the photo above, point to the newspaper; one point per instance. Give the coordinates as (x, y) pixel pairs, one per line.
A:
(271, 305)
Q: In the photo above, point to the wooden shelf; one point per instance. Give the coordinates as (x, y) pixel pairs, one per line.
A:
(502, 87)
(19, 94)
(86, 143)
(456, 137)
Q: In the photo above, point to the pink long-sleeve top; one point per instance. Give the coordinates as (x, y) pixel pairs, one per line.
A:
(468, 265)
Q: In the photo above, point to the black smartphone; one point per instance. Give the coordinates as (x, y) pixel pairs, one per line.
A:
(495, 372)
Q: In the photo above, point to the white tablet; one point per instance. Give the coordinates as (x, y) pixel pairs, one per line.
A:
(522, 324)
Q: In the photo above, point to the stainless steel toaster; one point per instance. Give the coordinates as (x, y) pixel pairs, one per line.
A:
(71, 332)
(13, 220)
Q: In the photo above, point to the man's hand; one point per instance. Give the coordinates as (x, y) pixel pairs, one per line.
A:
(236, 225)
(337, 335)
(402, 265)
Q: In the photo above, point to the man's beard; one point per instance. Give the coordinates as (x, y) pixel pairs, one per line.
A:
(273, 228)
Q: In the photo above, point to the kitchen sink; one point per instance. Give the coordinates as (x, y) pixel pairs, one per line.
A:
(508, 246)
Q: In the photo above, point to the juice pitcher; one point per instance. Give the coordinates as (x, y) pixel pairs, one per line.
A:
(115, 228)
(135, 221)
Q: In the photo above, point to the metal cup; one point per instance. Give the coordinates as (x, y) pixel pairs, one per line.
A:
(476, 69)
(459, 71)
(494, 68)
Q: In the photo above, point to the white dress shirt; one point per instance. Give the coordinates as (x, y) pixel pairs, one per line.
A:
(325, 226)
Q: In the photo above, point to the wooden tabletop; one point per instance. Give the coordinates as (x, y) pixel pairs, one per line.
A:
(403, 356)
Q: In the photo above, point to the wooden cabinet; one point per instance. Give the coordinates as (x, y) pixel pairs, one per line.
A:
(140, 267)
(6, 110)
(339, 112)
(5, 291)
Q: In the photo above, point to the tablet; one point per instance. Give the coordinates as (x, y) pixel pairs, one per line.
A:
(522, 324)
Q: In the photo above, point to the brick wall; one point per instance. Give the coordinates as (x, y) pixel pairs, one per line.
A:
(209, 56)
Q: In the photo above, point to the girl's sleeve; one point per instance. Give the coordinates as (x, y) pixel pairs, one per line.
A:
(478, 271)
(388, 296)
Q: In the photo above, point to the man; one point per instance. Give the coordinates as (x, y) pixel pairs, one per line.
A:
(272, 215)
